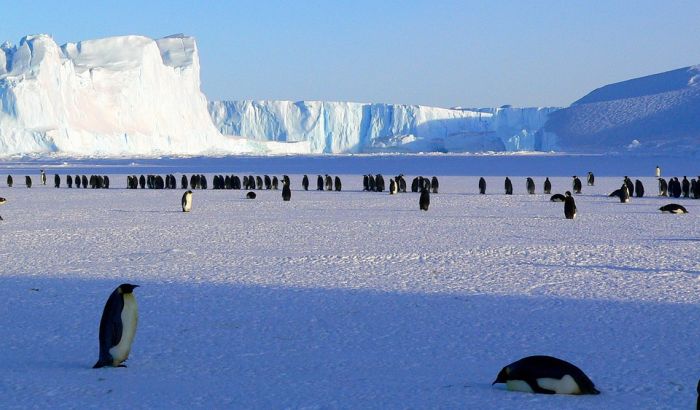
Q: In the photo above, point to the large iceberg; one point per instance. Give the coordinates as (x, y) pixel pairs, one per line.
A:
(342, 127)
(128, 95)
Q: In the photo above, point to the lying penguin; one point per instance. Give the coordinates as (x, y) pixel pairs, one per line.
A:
(547, 375)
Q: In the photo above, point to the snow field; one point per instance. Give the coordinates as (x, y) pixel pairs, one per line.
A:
(349, 299)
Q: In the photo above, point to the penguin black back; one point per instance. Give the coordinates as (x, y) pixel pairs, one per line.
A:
(530, 185)
(591, 179)
(424, 200)
(250, 195)
(482, 186)
(56, 181)
(547, 186)
(28, 181)
(508, 186)
(286, 192)
(305, 182)
(9, 181)
(569, 206)
(547, 375)
(338, 184)
(319, 183)
(639, 188)
(69, 181)
(576, 185)
(673, 209)
(117, 328)
(434, 184)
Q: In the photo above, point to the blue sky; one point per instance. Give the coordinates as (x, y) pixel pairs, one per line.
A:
(441, 53)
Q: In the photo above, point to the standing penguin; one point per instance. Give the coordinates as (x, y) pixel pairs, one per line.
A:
(42, 177)
(630, 185)
(658, 172)
(576, 185)
(187, 201)
(2, 202)
(545, 374)
(338, 185)
(319, 183)
(639, 188)
(276, 182)
(424, 201)
(547, 186)
(305, 182)
(435, 184)
(624, 194)
(9, 181)
(69, 181)
(663, 187)
(286, 192)
(482, 186)
(569, 206)
(530, 185)
(392, 187)
(508, 186)
(686, 187)
(183, 182)
(591, 179)
(118, 326)
(84, 181)
(28, 181)
(56, 181)
(329, 183)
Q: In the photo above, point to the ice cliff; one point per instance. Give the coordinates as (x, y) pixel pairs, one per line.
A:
(128, 95)
(341, 127)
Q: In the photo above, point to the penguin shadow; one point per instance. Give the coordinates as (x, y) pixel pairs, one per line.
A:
(132, 211)
(617, 268)
(675, 240)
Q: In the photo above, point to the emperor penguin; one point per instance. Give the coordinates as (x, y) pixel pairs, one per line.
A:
(663, 187)
(547, 186)
(414, 184)
(392, 187)
(402, 184)
(557, 198)
(434, 184)
(319, 183)
(624, 194)
(85, 181)
(118, 326)
(591, 179)
(424, 201)
(576, 185)
(28, 181)
(183, 182)
(268, 182)
(69, 181)
(338, 184)
(509, 186)
(42, 177)
(329, 183)
(547, 375)
(530, 185)
(686, 187)
(77, 181)
(9, 181)
(482, 186)
(250, 195)
(187, 201)
(673, 209)
(276, 182)
(2, 202)
(630, 185)
(365, 182)
(639, 188)
(56, 181)
(305, 182)
(379, 183)
(286, 192)
(569, 206)
(658, 172)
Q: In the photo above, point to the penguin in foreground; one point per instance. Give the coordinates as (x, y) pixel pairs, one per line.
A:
(187, 201)
(118, 327)
(673, 209)
(546, 375)
(424, 201)
(569, 206)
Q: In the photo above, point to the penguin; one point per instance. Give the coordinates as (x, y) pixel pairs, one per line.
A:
(305, 182)
(69, 181)
(2, 202)
(639, 188)
(268, 182)
(424, 201)
(42, 177)
(616, 193)
(414, 184)
(530, 185)
(286, 192)
(365, 182)
(338, 185)
(203, 181)
(84, 180)
(576, 184)
(547, 375)
(673, 209)
(216, 182)
(434, 184)
(329, 183)
(183, 182)
(686, 187)
(106, 182)
(402, 184)
(319, 183)
(77, 181)
(159, 183)
(9, 181)
(379, 183)
(28, 181)
(56, 181)
(557, 198)
(92, 181)
(194, 179)
(236, 182)
(392, 187)
(118, 327)
(695, 187)
(663, 187)
(276, 182)
(286, 180)
(624, 194)
(187, 201)
(658, 172)
(509, 186)
(591, 179)
(676, 188)
(569, 206)
(250, 195)
(482, 186)
(547, 186)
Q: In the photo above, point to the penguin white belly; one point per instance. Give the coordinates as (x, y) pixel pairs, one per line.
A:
(130, 317)
(188, 204)
(518, 385)
(565, 385)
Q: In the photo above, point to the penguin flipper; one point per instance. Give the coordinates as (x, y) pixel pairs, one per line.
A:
(536, 387)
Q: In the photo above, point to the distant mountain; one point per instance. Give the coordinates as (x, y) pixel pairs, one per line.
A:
(656, 113)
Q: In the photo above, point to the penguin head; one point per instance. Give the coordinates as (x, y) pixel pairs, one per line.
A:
(567, 193)
(127, 287)
(502, 376)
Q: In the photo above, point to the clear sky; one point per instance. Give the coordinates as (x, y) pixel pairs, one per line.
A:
(442, 53)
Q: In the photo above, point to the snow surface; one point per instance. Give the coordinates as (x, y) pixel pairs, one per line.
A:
(348, 299)
(343, 127)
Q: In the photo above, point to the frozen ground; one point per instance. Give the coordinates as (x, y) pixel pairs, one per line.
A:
(349, 299)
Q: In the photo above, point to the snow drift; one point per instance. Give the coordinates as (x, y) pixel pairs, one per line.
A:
(656, 113)
(112, 96)
(342, 127)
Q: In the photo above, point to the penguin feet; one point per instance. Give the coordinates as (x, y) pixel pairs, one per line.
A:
(121, 365)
